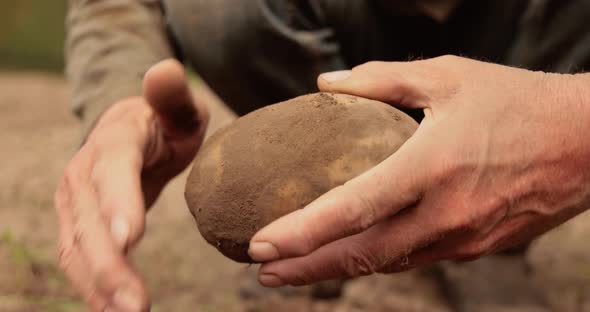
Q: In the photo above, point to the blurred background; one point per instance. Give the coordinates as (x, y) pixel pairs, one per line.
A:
(32, 34)
(183, 273)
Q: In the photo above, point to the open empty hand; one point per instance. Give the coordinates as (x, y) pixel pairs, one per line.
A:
(136, 147)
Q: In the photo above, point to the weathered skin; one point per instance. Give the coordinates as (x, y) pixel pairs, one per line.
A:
(280, 158)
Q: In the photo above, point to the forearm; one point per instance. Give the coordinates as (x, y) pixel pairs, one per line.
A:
(571, 92)
(564, 119)
(581, 93)
(110, 45)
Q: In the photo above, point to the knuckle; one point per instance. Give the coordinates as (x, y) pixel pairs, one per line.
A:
(106, 274)
(370, 66)
(398, 264)
(94, 300)
(447, 58)
(307, 242)
(71, 174)
(461, 222)
(132, 217)
(78, 167)
(66, 254)
(446, 72)
(359, 213)
(466, 216)
(472, 251)
(303, 276)
(136, 231)
(445, 168)
(109, 273)
(367, 212)
(400, 86)
(451, 166)
(357, 261)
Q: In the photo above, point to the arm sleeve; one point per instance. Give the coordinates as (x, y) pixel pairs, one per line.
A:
(110, 44)
(554, 36)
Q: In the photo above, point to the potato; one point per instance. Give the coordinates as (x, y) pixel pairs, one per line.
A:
(280, 158)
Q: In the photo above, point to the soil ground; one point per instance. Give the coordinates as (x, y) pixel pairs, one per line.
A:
(183, 272)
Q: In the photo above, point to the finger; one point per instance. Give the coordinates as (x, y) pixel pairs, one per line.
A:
(396, 183)
(71, 261)
(400, 84)
(107, 268)
(73, 264)
(116, 177)
(166, 90)
(387, 243)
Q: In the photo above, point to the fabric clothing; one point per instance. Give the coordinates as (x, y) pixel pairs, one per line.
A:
(257, 52)
(110, 44)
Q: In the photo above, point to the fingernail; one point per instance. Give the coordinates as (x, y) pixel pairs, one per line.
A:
(120, 230)
(126, 300)
(263, 252)
(270, 280)
(336, 75)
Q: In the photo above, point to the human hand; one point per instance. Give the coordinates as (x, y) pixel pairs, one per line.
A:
(500, 158)
(136, 147)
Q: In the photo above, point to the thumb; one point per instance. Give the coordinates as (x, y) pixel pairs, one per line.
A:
(399, 84)
(396, 183)
(166, 89)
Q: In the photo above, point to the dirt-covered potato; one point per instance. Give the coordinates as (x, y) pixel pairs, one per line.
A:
(281, 157)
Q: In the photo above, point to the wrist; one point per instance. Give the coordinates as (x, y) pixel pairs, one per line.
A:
(567, 112)
(567, 95)
(580, 91)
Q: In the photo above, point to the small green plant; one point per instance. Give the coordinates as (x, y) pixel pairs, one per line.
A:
(6, 237)
(17, 252)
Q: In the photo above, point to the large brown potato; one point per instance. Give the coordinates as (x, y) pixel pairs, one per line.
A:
(281, 157)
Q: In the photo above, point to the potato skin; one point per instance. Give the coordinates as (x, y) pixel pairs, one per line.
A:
(282, 157)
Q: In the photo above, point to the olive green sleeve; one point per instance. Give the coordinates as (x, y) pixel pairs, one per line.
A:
(110, 45)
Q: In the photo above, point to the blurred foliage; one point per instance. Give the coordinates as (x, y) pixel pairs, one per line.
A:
(32, 34)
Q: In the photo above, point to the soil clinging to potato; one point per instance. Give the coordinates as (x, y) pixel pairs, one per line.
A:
(282, 157)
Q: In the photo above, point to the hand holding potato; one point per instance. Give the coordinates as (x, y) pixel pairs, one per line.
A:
(136, 147)
(500, 158)
(280, 158)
